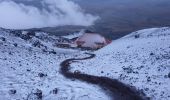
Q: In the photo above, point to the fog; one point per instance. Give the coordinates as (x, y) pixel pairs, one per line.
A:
(53, 13)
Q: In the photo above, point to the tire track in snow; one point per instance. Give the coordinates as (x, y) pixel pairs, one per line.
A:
(116, 89)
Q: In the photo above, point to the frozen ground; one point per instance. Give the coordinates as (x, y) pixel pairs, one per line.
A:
(29, 68)
(141, 59)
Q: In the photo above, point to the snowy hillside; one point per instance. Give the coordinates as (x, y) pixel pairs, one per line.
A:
(31, 70)
(141, 59)
(30, 66)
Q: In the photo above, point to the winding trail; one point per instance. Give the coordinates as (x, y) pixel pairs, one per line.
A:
(116, 89)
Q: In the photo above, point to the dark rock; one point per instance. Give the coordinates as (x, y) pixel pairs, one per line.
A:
(37, 44)
(42, 75)
(157, 58)
(44, 50)
(128, 47)
(137, 36)
(35, 95)
(25, 37)
(151, 54)
(169, 75)
(13, 68)
(146, 89)
(2, 38)
(140, 67)
(10, 53)
(16, 33)
(52, 52)
(135, 72)
(149, 79)
(142, 92)
(38, 93)
(28, 70)
(55, 91)
(15, 44)
(31, 33)
(77, 72)
(128, 70)
(13, 91)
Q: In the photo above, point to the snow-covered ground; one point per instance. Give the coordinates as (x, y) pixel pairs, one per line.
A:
(26, 70)
(140, 59)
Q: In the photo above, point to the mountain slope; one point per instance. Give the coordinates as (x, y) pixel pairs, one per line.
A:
(30, 70)
(140, 59)
(30, 66)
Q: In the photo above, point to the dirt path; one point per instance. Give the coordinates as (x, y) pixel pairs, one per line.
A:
(116, 89)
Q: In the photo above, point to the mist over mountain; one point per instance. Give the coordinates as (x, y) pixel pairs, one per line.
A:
(119, 17)
(48, 13)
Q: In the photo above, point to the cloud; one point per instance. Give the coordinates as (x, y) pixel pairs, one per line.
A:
(54, 13)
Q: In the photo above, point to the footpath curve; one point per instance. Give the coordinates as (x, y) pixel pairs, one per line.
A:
(116, 89)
